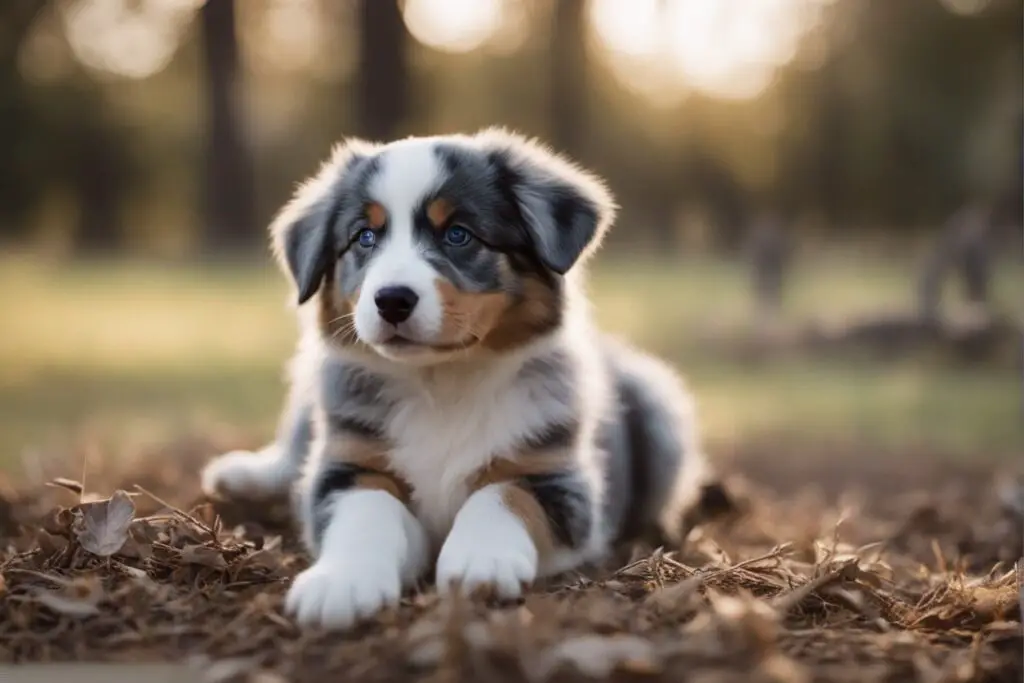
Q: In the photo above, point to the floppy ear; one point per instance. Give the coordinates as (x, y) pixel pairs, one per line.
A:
(565, 210)
(301, 233)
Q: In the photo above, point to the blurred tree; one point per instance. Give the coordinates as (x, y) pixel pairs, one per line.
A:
(568, 80)
(769, 253)
(58, 137)
(22, 170)
(382, 87)
(230, 220)
(895, 115)
(99, 168)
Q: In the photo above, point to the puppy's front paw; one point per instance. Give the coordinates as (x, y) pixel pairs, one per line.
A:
(501, 562)
(246, 475)
(337, 596)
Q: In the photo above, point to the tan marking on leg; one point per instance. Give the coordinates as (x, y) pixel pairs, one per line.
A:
(519, 500)
(372, 455)
(376, 215)
(438, 213)
(358, 450)
(524, 505)
(510, 469)
(378, 481)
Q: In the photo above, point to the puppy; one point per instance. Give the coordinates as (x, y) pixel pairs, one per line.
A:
(451, 399)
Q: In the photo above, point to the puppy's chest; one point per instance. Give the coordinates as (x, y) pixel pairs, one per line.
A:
(441, 443)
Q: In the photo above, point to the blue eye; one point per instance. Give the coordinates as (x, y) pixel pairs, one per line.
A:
(367, 238)
(457, 236)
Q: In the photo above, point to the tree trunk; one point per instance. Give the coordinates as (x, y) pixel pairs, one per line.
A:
(568, 82)
(97, 174)
(383, 70)
(230, 219)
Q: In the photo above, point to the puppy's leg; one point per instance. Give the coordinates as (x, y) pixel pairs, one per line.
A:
(529, 517)
(367, 545)
(270, 471)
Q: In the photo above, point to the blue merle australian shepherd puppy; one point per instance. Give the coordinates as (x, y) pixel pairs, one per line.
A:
(453, 407)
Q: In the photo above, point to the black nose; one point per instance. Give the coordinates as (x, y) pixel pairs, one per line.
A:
(395, 304)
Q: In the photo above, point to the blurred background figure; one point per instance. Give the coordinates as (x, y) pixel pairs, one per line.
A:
(769, 253)
(147, 144)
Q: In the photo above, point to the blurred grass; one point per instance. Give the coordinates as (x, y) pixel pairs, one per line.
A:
(120, 348)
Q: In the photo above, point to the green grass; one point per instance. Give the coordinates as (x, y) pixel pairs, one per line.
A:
(126, 349)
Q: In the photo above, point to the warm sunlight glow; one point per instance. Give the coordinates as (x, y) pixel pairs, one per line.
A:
(454, 25)
(127, 38)
(630, 28)
(966, 7)
(297, 37)
(723, 48)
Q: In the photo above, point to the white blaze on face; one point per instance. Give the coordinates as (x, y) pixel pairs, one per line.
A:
(409, 171)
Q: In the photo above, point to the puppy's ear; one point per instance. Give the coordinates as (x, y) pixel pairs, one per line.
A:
(565, 210)
(301, 233)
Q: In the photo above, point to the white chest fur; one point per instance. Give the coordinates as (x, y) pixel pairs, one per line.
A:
(447, 426)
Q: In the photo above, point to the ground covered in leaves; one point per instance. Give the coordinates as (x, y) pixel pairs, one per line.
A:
(839, 568)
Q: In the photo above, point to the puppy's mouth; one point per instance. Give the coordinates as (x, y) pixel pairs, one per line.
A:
(397, 343)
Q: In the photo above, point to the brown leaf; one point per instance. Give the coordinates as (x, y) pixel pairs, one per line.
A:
(77, 598)
(50, 544)
(102, 527)
(1004, 629)
(71, 485)
(266, 677)
(58, 521)
(842, 571)
(67, 606)
(598, 656)
(204, 555)
(138, 545)
(263, 559)
(990, 604)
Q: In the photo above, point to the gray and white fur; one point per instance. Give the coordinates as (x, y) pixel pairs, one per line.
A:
(453, 405)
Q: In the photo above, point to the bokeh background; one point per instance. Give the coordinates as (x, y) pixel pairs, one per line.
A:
(821, 201)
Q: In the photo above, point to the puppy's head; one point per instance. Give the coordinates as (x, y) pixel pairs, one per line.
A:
(427, 248)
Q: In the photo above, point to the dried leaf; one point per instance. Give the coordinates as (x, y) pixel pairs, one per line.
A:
(204, 555)
(224, 670)
(58, 521)
(49, 543)
(102, 528)
(263, 559)
(71, 485)
(138, 546)
(990, 604)
(77, 598)
(841, 572)
(67, 606)
(598, 656)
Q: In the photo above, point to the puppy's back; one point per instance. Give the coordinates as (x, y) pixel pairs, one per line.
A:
(655, 466)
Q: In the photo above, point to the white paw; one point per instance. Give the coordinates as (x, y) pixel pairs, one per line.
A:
(487, 550)
(336, 595)
(247, 475)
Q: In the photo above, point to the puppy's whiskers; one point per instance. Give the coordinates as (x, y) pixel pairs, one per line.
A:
(346, 316)
(345, 333)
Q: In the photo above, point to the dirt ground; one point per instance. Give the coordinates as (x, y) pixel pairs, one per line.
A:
(839, 567)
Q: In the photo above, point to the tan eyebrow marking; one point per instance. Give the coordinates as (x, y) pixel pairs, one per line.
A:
(438, 213)
(376, 215)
